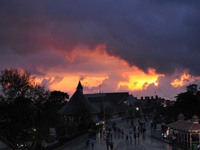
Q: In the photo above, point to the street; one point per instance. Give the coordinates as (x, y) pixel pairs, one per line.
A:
(142, 143)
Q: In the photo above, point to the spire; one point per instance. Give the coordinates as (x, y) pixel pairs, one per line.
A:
(80, 87)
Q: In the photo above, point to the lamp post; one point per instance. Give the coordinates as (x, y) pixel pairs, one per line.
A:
(137, 111)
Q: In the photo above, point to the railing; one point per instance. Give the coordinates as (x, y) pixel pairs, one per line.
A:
(6, 142)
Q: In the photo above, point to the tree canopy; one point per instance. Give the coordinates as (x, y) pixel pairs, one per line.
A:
(188, 102)
(15, 83)
(25, 105)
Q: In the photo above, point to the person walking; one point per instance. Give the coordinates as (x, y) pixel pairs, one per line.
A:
(126, 139)
(87, 143)
(138, 136)
(122, 133)
(92, 141)
(92, 146)
(130, 137)
(111, 145)
(107, 144)
(134, 129)
(135, 137)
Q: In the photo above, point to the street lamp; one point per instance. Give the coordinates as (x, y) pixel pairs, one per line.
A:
(137, 108)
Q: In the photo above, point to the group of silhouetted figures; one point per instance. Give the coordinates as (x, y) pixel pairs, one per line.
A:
(113, 130)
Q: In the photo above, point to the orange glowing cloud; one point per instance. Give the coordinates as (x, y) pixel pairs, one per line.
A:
(185, 79)
(138, 80)
(68, 82)
(96, 68)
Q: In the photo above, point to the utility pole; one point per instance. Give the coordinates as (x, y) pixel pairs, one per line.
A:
(100, 88)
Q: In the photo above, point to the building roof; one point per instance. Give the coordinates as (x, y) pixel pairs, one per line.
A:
(97, 99)
(132, 100)
(184, 125)
(116, 100)
(95, 95)
(117, 97)
(77, 102)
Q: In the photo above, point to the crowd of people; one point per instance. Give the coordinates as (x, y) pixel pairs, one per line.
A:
(111, 130)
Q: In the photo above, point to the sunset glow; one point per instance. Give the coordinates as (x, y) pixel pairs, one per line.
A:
(185, 79)
(68, 66)
(124, 77)
(140, 80)
(69, 82)
(126, 49)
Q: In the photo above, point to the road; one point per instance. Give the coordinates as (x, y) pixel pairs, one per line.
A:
(144, 143)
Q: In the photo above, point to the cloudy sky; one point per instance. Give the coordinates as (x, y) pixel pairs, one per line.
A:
(143, 47)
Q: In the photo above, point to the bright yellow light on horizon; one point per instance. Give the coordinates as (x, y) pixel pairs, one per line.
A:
(141, 80)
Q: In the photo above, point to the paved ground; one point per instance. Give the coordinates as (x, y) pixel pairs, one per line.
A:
(144, 142)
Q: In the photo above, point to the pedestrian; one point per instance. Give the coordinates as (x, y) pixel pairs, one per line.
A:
(130, 137)
(111, 145)
(135, 137)
(138, 136)
(122, 133)
(87, 143)
(145, 119)
(111, 136)
(107, 144)
(152, 126)
(115, 135)
(144, 131)
(138, 129)
(132, 123)
(92, 141)
(134, 129)
(126, 138)
(92, 146)
(100, 132)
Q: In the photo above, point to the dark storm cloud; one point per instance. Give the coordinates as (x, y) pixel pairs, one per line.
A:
(160, 34)
(34, 63)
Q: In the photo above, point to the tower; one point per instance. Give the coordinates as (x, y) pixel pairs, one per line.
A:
(80, 87)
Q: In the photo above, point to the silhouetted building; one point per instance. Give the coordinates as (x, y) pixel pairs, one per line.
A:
(118, 103)
(78, 102)
(185, 132)
(149, 104)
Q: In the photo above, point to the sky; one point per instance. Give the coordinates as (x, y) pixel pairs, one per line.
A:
(146, 48)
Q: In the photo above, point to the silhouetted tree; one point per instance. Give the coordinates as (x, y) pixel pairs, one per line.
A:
(25, 106)
(20, 115)
(22, 101)
(49, 118)
(59, 98)
(18, 108)
(188, 102)
(15, 84)
(192, 89)
(48, 104)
